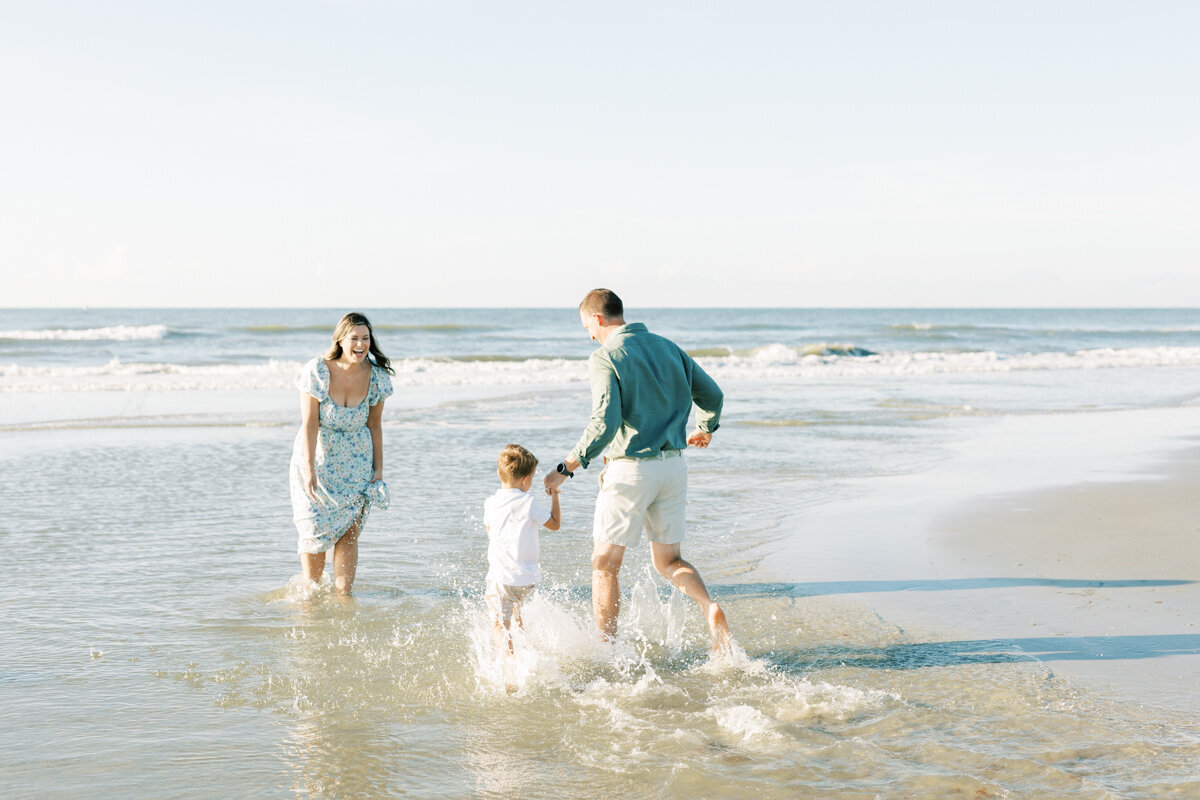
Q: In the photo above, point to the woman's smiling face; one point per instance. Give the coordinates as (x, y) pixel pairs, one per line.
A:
(356, 344)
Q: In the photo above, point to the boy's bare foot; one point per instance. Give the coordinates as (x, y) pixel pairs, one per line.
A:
(718, 628)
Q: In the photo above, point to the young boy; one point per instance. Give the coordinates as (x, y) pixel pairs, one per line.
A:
(512, 517)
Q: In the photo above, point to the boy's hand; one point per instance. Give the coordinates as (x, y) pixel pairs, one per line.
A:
(553, 490)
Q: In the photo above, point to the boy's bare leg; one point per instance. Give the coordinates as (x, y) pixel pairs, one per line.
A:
(606, 590)
(670, 564)
(345, 559)
(501, 635)
(312, 565)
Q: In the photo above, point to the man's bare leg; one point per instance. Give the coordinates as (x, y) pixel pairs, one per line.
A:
(606, 591)
(670, 564)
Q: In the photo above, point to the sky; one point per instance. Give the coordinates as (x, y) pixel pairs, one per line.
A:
(447, 154)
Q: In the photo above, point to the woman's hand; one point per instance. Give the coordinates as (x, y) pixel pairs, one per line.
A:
(377, 476)
(309, 481)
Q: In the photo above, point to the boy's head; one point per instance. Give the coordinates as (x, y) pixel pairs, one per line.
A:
(515, 465)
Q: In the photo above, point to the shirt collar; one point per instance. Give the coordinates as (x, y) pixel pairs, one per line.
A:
(622, 332)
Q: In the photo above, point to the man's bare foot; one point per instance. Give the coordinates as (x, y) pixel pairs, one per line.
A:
(718, 628)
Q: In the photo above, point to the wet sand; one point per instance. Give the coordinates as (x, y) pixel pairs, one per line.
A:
(1073, 540)
(1119, 566)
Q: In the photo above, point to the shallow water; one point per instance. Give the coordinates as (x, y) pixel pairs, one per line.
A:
(153, 647)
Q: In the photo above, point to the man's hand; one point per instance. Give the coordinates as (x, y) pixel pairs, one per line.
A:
(553, 481)
(699, 438)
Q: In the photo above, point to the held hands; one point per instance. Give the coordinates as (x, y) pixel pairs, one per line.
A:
(554, 480)
(699, 438)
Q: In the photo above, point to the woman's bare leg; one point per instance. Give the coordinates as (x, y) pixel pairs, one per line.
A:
(312, 565)
(345, 558)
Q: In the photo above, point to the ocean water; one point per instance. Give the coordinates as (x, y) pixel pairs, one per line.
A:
(152, 646)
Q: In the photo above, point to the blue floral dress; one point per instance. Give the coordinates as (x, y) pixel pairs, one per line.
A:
(342, 461)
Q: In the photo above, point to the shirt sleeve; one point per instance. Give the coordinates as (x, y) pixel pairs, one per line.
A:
(538, 513)
(381, 386)
(314, 380)
(487, 515)
(707, 396)
(606, 409)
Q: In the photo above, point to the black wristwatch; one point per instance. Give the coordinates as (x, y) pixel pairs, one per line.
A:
(562, 469)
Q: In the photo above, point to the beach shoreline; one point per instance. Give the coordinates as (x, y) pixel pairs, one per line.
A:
(1070, 539)
(841, 517)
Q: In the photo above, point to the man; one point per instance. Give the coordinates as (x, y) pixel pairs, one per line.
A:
(643, 386)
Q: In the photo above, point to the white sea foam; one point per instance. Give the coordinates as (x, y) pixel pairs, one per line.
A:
(826, 701)
(113, 333)
(782, 361)
(743, 721)
(771, 361)
(116, 375)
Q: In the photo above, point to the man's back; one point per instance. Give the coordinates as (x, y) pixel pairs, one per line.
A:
(643, 386)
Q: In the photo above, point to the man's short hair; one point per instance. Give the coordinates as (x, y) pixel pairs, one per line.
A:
(603, 302)
(515, 463)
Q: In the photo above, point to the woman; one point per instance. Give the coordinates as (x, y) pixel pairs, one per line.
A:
(337, 462)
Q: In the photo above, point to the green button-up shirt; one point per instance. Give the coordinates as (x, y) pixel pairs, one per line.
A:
(643, 387)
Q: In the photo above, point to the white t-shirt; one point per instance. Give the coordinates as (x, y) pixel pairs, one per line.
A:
(513, 518)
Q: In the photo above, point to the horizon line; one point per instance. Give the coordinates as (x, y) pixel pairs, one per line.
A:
(646, 308)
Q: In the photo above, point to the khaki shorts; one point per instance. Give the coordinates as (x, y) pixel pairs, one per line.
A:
(637, 493)
(502, 599)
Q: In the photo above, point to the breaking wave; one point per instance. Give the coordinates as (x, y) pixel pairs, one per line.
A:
(447, 327)
(771, 361)
(112, 333)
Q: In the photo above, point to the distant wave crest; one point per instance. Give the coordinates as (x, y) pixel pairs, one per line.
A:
(1016, 330)
(113, 333)
(771, 361)
(439, 327)
(116, 375)
(782, 360)
(777, 351)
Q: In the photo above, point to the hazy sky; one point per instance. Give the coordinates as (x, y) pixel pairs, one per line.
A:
(519, 153)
